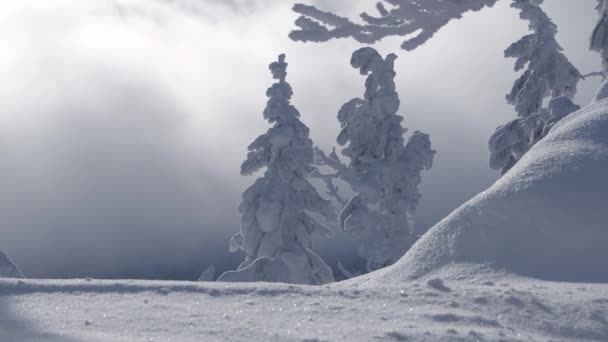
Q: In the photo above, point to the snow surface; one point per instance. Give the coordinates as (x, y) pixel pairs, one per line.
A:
(507, 309)
(546, 218)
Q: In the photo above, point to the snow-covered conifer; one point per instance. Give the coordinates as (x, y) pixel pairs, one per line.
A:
(548, 73)
(383, 170)
(599, 37)
(276, 221)
(599, 43)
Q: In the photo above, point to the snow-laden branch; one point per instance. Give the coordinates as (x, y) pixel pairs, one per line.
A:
(420, 18)
(548, 71)
(601, 74)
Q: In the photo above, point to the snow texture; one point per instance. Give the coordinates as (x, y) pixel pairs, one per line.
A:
(276, 221)
(503, 309)
(383, 170)
(419, 19)
(546, 218)
(8, 268)
(548, 73)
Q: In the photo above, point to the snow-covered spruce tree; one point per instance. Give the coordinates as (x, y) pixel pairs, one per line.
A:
(599, 43)
(276, 221)
(8, 268)
(548, 73)
(383, 170)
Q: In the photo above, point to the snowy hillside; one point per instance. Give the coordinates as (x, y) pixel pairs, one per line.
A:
(547, 218)
(463, 281)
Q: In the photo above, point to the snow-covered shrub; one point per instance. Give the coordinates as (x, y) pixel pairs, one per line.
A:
(276, 221)
(8, 268)
(383, 170)
(548, 73)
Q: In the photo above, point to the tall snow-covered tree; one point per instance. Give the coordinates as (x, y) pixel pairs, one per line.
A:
(548, 73)
(382, 169)
(277, 211)
(599, 43)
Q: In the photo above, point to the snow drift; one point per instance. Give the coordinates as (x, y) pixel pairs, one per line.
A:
(8, 268)
(546, 218)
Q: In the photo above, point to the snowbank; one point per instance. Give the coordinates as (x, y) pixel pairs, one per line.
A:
(8, 268)
(546, 218)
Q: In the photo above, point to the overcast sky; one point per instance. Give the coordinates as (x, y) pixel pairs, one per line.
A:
(123, 122)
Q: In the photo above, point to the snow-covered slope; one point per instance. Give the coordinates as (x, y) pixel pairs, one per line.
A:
(8, 268)
(546, 218)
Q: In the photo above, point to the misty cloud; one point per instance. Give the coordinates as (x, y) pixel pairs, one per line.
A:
(123, 123)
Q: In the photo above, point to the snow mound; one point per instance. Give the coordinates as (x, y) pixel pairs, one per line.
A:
(8, 268)
(547, 218)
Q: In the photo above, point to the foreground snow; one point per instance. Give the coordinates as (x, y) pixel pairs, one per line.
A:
(508, 308)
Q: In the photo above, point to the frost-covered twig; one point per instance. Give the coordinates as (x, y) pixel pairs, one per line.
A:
(332, 189)
(601, 74)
